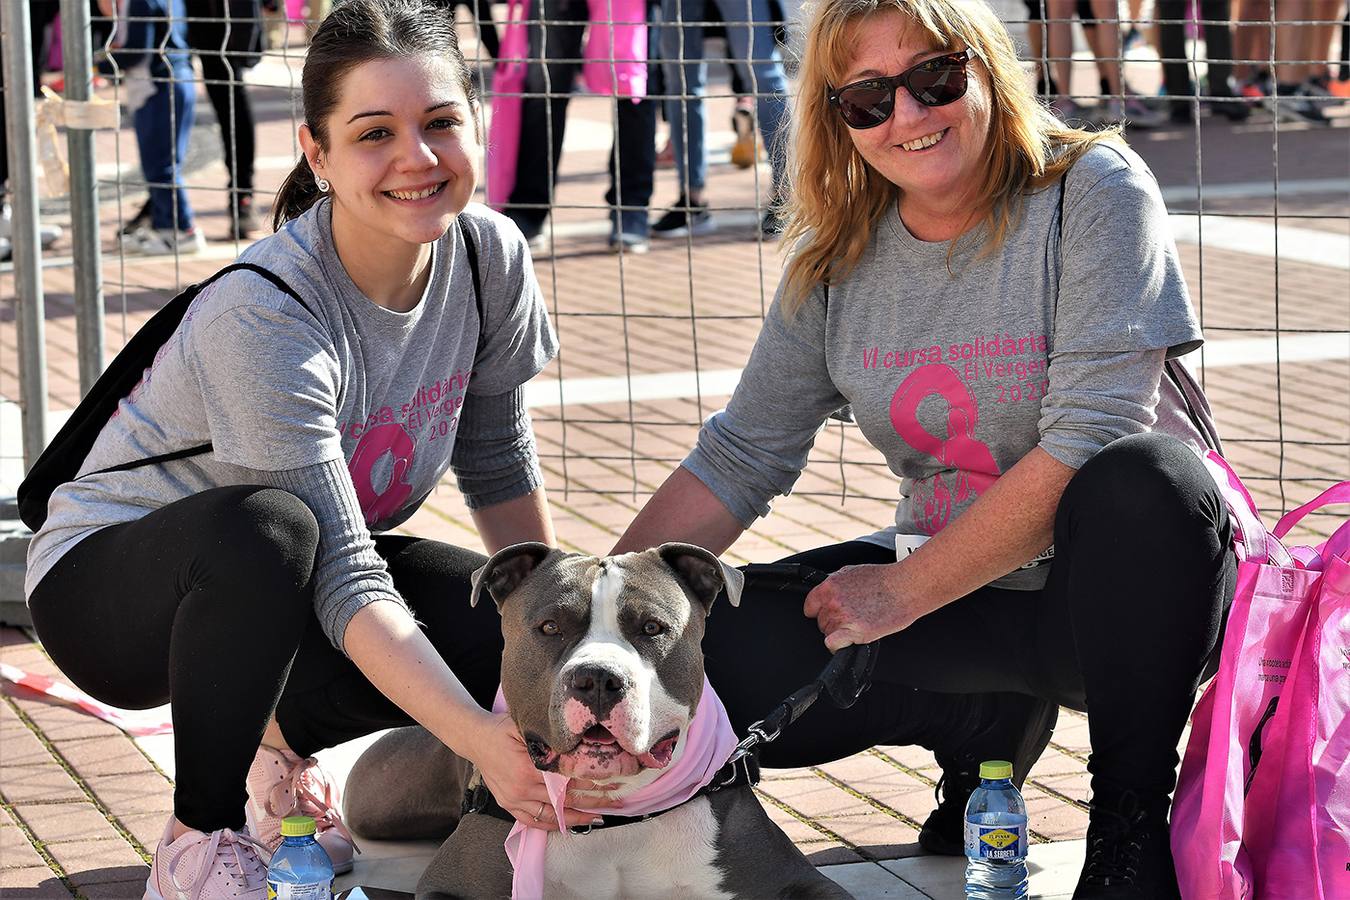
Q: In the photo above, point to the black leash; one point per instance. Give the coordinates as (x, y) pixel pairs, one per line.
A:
(844, 679)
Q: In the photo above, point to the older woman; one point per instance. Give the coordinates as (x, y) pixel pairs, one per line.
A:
(995, 296)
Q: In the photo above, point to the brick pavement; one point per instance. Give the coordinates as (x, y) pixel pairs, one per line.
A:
(82, 803)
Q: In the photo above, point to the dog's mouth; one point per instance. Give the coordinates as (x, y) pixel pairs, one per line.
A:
(599, 755)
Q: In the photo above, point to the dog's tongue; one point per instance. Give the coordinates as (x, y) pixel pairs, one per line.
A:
(659, 756)
(599, 734)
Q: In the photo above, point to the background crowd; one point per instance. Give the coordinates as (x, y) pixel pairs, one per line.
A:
(1287, 60)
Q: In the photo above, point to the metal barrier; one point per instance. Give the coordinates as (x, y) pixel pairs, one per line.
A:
(652, 342)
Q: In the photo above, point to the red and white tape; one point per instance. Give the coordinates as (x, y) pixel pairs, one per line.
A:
(132, 722)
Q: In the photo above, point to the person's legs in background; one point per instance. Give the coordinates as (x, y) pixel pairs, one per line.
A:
(1294, 100)
(632, 162)
(1181, 88)
(755, 51)
(163, 125)
(41, 15)
(234, 112)
(686, 76)
(1119, 105)
(555, 50)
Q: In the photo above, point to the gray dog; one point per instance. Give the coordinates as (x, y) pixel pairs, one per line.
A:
(602, 672)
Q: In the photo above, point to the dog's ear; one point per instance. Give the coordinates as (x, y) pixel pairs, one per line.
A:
(703, 573)
(507, 568)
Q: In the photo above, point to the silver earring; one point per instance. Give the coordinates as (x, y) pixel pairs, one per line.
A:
(322, 184)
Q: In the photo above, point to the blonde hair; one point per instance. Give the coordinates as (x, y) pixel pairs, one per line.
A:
(837, 198)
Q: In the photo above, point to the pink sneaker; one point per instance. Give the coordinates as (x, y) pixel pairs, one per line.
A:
(281, 784)
(216, 866)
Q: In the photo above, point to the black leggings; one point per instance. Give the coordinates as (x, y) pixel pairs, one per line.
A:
(1142, 578)
(207, 603)
(229, 97)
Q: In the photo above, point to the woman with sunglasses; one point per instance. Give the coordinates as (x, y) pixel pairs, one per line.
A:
(993, 295)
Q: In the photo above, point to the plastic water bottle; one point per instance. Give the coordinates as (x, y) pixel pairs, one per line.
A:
(300, 869)
(996, 836)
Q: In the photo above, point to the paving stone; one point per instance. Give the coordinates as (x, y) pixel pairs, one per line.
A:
(875, 835)
(59, 723)
(118, 890)
(829, 853)
(31, 883)
(113, 754)
(16, 852)
(126, 795)
(60, 822)
(44, 781)
(18, 745)
(147, 828)
(98, 862)
(811, 798)
(869, 880)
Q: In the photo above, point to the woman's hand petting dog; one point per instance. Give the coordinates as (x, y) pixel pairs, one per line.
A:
(518, 786)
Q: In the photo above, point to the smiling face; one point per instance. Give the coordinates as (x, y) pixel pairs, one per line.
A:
(401, 152)
(934, 154)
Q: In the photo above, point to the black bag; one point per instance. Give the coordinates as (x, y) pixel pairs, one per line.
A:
(60, 462)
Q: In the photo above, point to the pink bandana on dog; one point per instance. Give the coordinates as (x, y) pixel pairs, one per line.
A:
(708, 744)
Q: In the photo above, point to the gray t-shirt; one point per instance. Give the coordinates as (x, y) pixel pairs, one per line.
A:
(356, 407)
(955, 369)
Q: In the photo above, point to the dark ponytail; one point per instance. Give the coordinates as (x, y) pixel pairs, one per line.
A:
(297, 193)
(356, 32)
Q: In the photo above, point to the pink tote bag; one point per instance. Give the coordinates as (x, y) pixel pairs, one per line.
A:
(1222, 814)
(508, 81)
(1299, 802)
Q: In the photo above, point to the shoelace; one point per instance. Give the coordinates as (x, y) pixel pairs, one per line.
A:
(250, 872)
(1114, 851)
(302, 784)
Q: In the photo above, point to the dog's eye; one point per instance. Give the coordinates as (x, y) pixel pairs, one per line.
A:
(651, 628)
(549, 628)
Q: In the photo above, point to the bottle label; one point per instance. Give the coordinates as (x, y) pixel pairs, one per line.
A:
(284, 890)
(999, 842)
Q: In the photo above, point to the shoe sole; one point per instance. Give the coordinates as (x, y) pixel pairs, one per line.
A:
(706, 228)
(150, 892)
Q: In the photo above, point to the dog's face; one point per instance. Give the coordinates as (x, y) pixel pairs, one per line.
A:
(603, 664)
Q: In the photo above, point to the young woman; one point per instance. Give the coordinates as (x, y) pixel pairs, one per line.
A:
(244, 585)
(994, 294)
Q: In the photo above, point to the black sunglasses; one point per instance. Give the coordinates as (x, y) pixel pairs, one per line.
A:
(933, 82)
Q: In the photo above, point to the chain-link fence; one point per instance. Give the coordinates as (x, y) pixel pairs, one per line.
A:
(657, 288)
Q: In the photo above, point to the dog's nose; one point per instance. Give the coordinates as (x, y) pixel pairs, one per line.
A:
(597, 687)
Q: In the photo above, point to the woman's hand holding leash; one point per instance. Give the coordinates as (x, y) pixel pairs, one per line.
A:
(861, 604)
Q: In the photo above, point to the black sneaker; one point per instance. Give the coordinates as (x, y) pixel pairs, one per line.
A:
(684, 218)
(141, 219)
(243, 219)
(1014, 727)
(1129, 851)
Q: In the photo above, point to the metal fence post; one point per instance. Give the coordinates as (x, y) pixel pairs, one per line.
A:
(78, 59)
(14, 20)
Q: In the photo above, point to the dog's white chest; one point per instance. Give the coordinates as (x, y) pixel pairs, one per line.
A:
(670, 856)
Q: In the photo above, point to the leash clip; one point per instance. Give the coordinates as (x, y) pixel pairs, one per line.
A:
(581, 830)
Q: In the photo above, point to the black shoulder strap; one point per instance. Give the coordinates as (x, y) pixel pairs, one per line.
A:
(196, 289)
(471, 254)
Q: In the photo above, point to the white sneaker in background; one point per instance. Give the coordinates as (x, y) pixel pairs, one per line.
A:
(147, 241)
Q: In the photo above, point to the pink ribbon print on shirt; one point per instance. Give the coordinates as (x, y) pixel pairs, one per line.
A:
(960, 450)
(389, 439)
